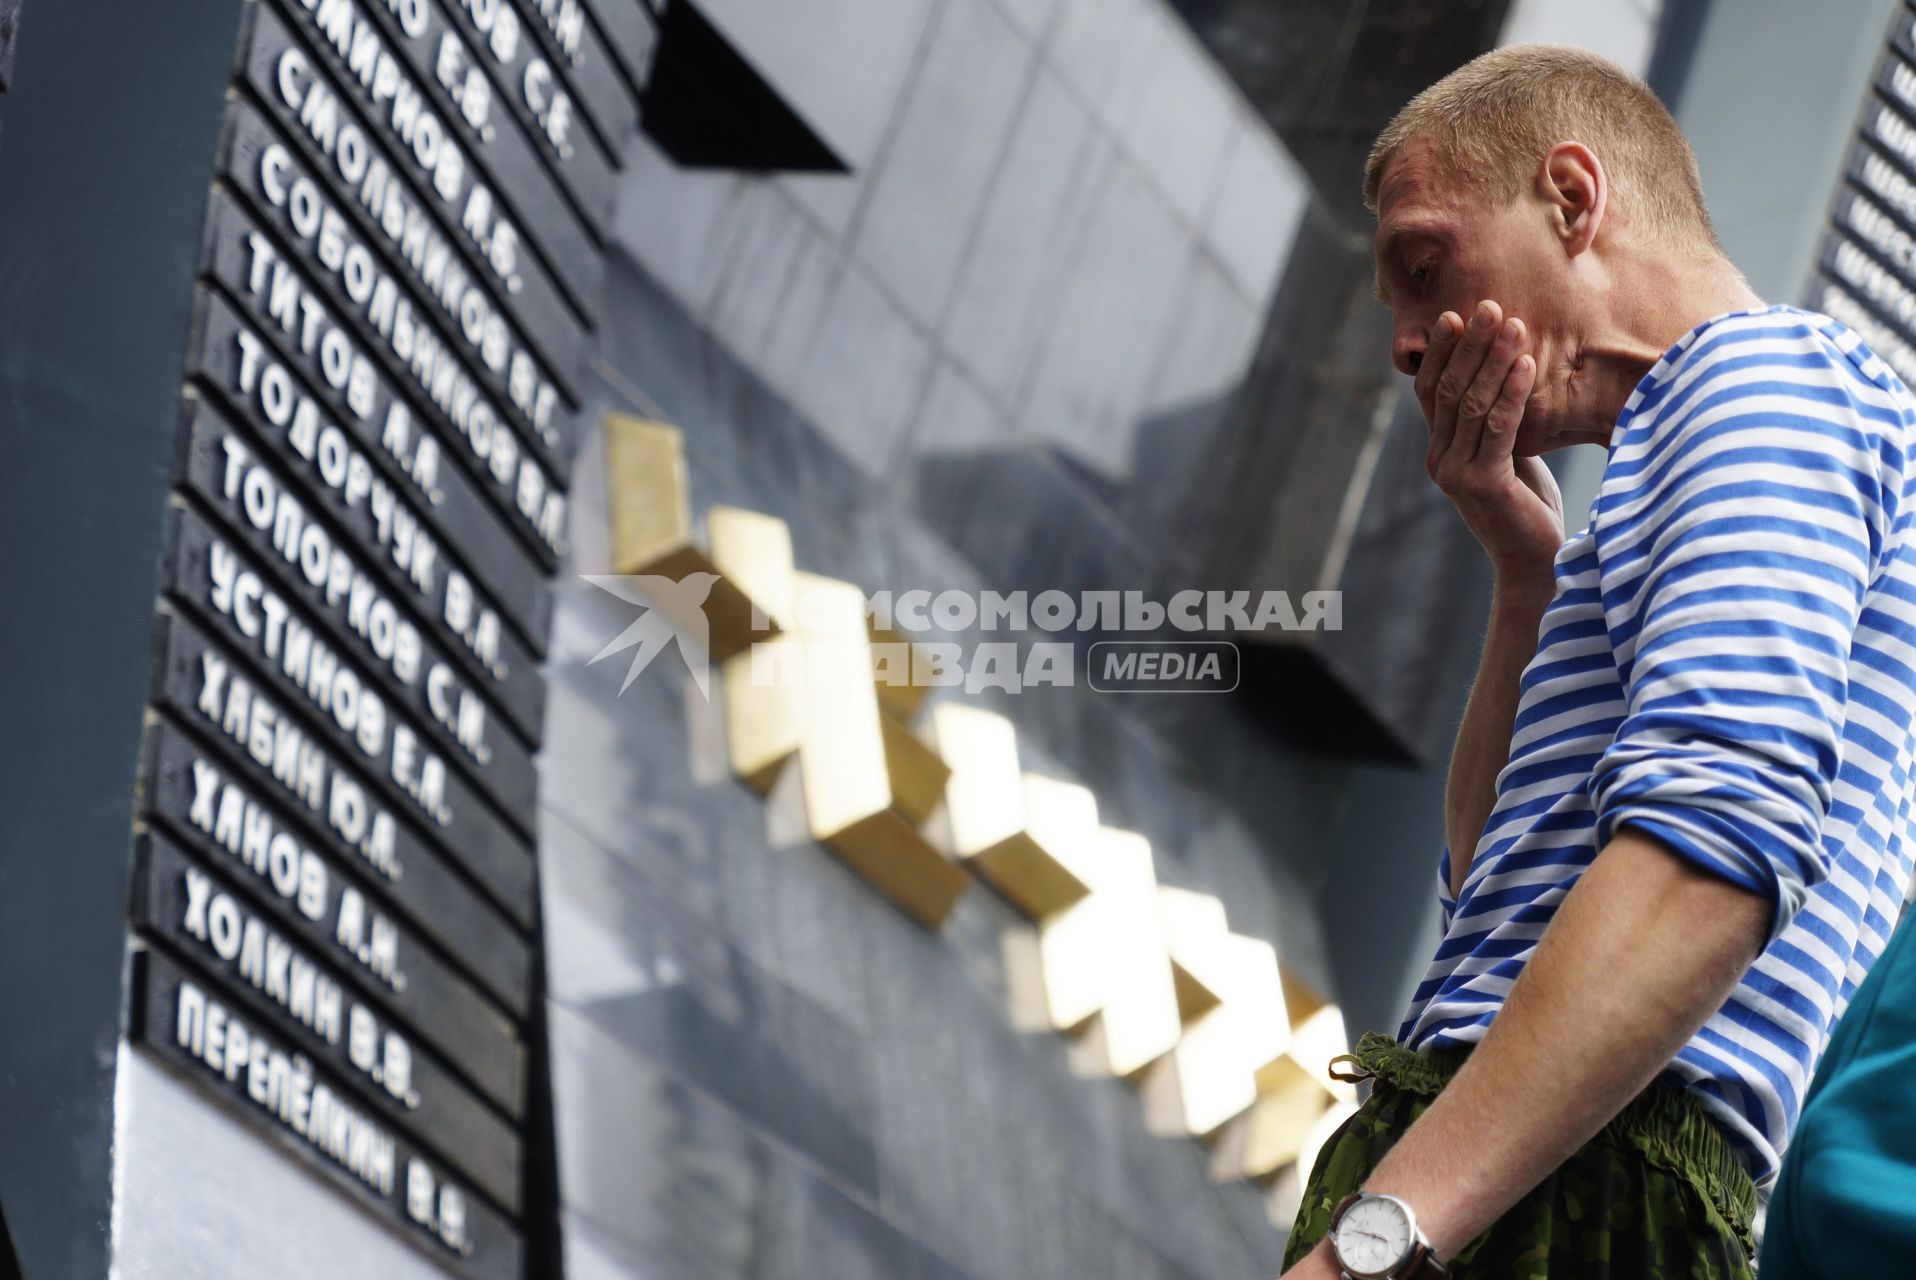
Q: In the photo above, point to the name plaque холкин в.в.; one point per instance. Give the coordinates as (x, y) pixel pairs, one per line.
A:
(392, 931)
(196, 1027)
(316, 1009)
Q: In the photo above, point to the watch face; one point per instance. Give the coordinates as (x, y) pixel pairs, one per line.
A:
(1374, 1236)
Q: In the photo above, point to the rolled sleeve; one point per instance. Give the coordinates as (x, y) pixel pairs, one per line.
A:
(1735, 539)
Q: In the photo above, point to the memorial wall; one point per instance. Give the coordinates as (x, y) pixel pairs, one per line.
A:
(333, 902)
(331, 905)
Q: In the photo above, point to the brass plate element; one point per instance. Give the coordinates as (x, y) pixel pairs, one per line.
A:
(754, 553)
(1294, 1089)
(851, 805)
(1106, 970)
(987, 820)
(1211, 1076)
(761, 715)
(1194, 925)
(918, 776)
(894, 662)
(653, 532)
(1315, 1040)
(1278, 1125)
(761, 726)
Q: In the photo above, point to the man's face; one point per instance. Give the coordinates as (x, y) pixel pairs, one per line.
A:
(1441, 247)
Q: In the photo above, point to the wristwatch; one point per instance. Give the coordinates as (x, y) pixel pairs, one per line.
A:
(1375, 1237)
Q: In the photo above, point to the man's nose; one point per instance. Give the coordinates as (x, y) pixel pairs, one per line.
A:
(1407, 348)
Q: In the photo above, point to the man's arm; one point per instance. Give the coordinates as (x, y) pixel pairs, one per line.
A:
(1472, 384)
(1482, 748)
(1643, 950)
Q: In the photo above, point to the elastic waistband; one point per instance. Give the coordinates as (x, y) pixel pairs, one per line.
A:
(1664, 1123)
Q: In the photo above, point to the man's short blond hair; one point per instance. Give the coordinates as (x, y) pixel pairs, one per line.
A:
(1491, 122)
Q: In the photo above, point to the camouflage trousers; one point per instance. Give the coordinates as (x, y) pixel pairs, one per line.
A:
(1657, 1194)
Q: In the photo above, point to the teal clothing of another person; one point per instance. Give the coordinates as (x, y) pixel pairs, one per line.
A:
(1845, 1200)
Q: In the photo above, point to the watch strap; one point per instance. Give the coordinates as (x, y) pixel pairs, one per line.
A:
(1423, 1264)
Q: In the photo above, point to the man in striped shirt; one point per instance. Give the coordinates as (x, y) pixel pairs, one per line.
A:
(1676, 809)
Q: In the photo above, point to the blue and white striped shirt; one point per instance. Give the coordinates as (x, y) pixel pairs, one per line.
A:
(1729, 665)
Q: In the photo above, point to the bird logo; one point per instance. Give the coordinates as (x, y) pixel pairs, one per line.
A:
(674, 610)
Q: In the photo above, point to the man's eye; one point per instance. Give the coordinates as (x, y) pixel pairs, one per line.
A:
(1420, 272)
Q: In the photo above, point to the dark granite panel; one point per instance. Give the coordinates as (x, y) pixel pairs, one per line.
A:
(1180, 128)
(1110, 319)
(1328, 74)
(616, 768)
(1184, 425)
(1018, 252)
(1033, 15)
(859, 375)
(841, 64)
(1105, 50)
(655, 1165)
(624, 934)
(662, 1180)
(674, 989)
(770, 292)
(747, 445)
(916, 226)
(788, 1094)
(1322, 365)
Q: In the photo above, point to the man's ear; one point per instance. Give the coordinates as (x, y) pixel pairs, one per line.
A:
(1574, 183)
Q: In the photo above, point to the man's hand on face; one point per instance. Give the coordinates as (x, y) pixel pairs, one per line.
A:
(1472, 383)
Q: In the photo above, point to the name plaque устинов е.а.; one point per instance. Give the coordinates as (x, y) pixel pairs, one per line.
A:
(334, 699)
(334, 849)
(210, 685)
